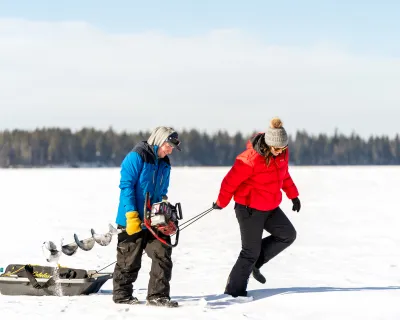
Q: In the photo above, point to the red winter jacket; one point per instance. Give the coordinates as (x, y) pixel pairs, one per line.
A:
(252, 183)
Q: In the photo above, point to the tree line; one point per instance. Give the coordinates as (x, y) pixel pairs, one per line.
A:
(52, 147)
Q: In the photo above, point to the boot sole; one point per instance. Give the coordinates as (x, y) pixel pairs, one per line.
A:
(161, 305)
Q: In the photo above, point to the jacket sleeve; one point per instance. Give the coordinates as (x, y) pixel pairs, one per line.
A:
(240, 171)
(131, 168)
(288, 185)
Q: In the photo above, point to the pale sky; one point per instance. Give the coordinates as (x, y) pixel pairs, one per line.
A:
(214, 65)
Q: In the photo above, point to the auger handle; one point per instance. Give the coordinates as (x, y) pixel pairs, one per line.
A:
(146, 211)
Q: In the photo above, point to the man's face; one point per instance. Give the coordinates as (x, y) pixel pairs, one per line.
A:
(164, 150)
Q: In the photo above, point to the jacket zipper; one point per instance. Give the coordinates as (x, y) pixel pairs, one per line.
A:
(154, 182)
(277, 169)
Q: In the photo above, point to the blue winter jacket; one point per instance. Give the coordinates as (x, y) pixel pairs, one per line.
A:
(142, 171)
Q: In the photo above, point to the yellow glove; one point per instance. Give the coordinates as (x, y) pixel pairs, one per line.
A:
(132, 222)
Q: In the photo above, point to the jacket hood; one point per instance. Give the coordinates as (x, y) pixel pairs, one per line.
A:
(256, 142)
(152, 150)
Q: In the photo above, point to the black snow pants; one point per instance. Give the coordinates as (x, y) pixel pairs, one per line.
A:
(255, 250)
(129, 259)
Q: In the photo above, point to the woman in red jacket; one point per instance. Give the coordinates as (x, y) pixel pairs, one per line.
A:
(255, 182)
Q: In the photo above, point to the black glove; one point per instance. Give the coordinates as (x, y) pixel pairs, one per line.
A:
(296, 204)
(215, 206)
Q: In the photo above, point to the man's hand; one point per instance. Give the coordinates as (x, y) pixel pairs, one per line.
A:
(132, 222)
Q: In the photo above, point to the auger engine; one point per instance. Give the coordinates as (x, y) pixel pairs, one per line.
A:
(162, 217)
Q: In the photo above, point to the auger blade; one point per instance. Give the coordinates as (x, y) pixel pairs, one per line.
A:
(113, 230)
(69, 249)
(53, 254)
(102, 239)
(86, 244)
(50, 251)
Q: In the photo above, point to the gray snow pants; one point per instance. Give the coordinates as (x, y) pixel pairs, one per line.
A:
(129, 259)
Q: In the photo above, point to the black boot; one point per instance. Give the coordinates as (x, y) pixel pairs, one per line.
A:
(130, 300)
(162, 302)
(258, 276)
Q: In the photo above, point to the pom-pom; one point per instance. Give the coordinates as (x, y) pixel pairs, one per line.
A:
(276, 123)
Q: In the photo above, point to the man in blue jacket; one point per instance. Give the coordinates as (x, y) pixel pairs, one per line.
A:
(145, 169)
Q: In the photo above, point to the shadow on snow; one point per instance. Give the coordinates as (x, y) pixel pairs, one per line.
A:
(217, 301)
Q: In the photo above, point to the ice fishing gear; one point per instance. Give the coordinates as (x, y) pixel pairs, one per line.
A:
(161, 217)
(52, 254)
(36, 280)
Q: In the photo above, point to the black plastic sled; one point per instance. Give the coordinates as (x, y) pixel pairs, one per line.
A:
(35, 280)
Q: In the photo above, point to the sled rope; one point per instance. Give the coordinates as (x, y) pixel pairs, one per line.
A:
(195, 218)
(15, 271)
(97, 271)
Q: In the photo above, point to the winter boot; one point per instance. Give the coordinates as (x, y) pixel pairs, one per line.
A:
(258, 276)
(130, 300)
(162, 302)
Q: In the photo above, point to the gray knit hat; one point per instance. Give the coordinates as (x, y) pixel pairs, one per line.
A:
(276, 135)
(164, 134)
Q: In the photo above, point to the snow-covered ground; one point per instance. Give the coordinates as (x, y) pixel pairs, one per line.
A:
(345, 263)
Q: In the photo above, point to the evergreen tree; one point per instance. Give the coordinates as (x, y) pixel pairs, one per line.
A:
(91, 147)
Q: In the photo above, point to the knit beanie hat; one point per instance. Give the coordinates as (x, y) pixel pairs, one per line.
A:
(276, 135)
(164, 134)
